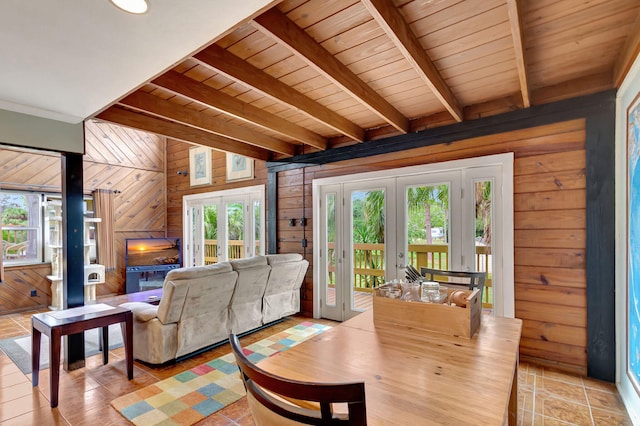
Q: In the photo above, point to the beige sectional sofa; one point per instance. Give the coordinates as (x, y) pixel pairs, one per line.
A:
(201, 305)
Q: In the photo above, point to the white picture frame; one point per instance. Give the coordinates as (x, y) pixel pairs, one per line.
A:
(200, 165)
(239, 167)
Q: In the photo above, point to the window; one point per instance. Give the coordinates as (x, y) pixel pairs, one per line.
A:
(21, 219)
(27, 229)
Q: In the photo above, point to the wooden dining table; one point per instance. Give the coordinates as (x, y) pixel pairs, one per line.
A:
(413, 376)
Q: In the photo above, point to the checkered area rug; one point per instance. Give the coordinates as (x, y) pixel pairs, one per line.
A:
(192, 395)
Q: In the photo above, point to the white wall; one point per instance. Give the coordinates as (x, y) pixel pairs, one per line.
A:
(626, 94)
(36, 132)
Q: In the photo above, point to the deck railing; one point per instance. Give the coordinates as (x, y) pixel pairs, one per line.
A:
(235, 251)
(16, 244)
(369, 263)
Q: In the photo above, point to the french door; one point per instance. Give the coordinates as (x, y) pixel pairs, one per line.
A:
(223, 225)
(354, 219)
(371, 226)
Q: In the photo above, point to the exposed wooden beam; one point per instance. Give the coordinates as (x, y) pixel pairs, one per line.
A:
(394, 25)
(212, 98)
(629, 53)
(119, 115)
(162, 108)
(276, 24)
(248, 75)
(515, 20)
(570, 89)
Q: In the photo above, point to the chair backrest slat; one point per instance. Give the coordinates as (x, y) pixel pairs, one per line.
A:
(470, 279)
(272, 391)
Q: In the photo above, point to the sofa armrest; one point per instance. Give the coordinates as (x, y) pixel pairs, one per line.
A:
(142, 312)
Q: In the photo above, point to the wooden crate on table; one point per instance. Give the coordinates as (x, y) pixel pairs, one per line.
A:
(441, 318)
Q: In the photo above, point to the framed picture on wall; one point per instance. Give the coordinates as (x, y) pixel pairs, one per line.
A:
(633, 242)
(239, 167)
(200, 165)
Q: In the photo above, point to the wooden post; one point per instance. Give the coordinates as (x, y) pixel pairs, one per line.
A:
(73, 251)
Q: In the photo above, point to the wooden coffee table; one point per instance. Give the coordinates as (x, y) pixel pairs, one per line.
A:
(56, 324)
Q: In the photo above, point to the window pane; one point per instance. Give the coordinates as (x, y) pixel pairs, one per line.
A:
(21, 233)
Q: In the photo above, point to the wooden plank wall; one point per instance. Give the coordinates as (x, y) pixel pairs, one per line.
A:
(179, 185)
(549, 219)
(117, 158)
(133, 163)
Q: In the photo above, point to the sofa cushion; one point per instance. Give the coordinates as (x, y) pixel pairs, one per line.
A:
(171, 303)
(197, 271)
(205, 316)
(154, 342)
(249, 262)
(174, 293)
(246, 306)
(273, 259)
(282, 294)
(142, 311)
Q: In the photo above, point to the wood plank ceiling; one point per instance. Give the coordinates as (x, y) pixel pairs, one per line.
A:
(309, 75)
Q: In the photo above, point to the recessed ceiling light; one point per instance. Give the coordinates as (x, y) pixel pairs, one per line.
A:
(132, 6)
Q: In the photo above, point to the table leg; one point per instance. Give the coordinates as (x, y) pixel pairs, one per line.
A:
(513, 399)
(54, 365)
(35, 355)
(128, 343)
(105, 345)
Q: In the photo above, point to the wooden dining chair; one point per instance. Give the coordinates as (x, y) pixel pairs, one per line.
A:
(470, 280)
(276, 400)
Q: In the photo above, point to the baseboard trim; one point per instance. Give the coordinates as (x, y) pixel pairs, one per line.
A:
(567, 368)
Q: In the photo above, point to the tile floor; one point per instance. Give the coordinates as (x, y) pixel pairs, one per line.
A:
(550, 397)
(546, 396)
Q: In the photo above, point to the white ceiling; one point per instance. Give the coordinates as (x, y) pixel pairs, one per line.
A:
(68, 59)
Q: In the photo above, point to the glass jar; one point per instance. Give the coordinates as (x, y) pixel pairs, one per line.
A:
(430, 291)
(412, 292)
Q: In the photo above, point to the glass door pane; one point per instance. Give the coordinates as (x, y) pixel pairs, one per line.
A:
(257, 228)
(194, 236)
(428, 225)
(368, 246)
(210, 216)
(331, 275)
(235, 230)
(190, 255)
(330, 259)
(481, 252)
(483, 232)
(429, 232)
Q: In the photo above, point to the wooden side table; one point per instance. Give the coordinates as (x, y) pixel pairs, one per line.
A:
(56, 324)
